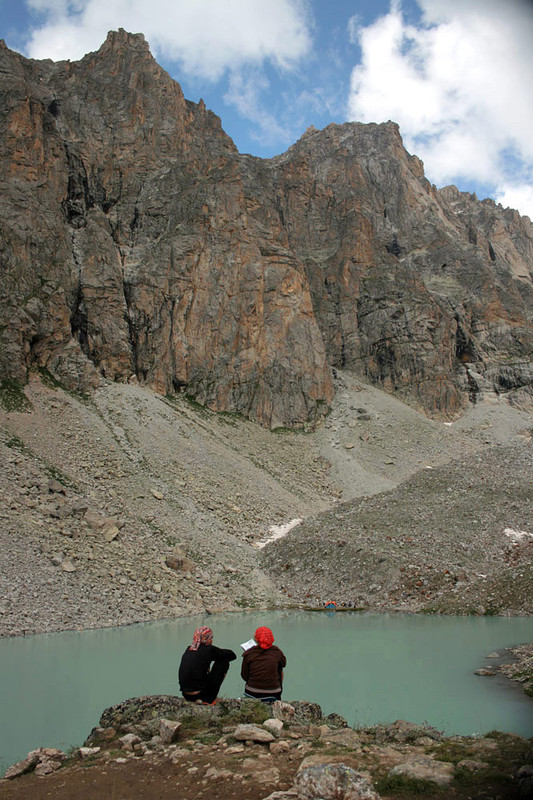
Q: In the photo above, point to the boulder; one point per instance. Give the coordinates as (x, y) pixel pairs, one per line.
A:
(278, 748)
(472, 765)
(129, 740)
(427, 769)
(333, 782)
(252, 733)
(46, 767)
(345, 737)
(21, 767)
(273, 725)
(87, 752)
(524, 780)
(214, 774)
(283, 711)
(169, 730)
(55, 487)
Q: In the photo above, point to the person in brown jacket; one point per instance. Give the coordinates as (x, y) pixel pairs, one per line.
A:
(262, 668)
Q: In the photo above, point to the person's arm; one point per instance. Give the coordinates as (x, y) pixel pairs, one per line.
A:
(219, 654)
(245, 668)
(281, 663)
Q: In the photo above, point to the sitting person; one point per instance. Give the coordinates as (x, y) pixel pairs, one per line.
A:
(199, 681)
(262, 668)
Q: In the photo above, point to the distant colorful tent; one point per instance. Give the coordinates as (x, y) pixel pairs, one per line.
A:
(331, 604)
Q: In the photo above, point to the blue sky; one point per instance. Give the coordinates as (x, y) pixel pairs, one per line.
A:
(457, 75)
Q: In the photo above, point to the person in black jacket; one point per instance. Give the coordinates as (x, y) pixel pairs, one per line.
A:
(199, 681)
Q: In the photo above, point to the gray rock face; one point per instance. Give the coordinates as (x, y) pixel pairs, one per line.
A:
(426, 768)
(252, 733)
(138, 244)
(333, 782)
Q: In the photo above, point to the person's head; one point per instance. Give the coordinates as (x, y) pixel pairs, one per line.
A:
(264, 637)
(202, 635)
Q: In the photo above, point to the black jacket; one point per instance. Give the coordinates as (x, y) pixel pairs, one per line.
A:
(195, 665)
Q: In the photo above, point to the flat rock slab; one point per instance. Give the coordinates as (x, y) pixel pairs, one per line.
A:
(169, 730)
(333, 782)
(426, 769)
(252, 733)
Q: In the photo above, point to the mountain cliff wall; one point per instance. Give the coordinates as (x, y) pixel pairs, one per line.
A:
(136, 243)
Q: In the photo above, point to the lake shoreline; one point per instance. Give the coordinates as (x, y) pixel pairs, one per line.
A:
(519, 669)
(260, 751)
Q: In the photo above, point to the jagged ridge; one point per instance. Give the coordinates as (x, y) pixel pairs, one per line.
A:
(137, 243)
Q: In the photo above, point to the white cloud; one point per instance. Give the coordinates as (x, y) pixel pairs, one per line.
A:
(520, 197)
(207, 37)
(244, 93)
(459, 85)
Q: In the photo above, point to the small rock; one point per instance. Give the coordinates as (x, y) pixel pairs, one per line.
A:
(129, 740)
(283, 711)
(346, 737)
(179, 563)
(111, 532)
(68, 566)
(277, 748)
(238, 748)
(56, 487)
(425, 768)
(157, 495)
(471, 765)
(252, 733)
(273, 725)
(169, 730)
(333, 781)
(85, 752)
(102, 735)
(46, 767)
(213, 773)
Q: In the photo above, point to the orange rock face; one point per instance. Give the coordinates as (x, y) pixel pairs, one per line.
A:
(136, 241)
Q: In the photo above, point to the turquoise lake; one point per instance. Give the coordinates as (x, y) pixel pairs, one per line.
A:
(370, 668)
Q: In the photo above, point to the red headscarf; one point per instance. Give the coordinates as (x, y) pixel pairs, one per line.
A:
(264, 637)
(202, 635)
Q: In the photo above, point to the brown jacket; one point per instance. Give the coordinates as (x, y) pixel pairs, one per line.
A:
(261, 669)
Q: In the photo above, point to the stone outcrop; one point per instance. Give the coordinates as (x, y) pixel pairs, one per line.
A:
(136, 243)
(225, 746)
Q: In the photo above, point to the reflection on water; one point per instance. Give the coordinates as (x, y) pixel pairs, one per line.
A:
(370, 668)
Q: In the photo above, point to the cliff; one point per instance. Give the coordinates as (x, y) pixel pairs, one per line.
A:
(136, 243)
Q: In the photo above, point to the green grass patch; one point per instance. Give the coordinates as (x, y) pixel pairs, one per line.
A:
(12, 396)
(249, 711)
(48, 379)
(479, 778)
(52, 383)
(403, 786)
(60, 477)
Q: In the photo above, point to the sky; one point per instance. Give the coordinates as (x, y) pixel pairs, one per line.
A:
(456, 75)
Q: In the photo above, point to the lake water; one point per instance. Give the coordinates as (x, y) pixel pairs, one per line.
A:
(370, 668)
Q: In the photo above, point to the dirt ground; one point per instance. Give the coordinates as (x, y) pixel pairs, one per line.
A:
(185, 780)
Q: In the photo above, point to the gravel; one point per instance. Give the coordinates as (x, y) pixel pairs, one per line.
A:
(98, 495)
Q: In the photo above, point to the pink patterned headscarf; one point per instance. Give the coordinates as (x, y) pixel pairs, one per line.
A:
(202, 635)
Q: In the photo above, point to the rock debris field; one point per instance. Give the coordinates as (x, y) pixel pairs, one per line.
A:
(127, 506)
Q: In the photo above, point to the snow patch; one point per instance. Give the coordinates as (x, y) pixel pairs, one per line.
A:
(517, 536)
(278, 532)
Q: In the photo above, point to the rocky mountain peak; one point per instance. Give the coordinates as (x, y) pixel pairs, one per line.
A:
(137, 244)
